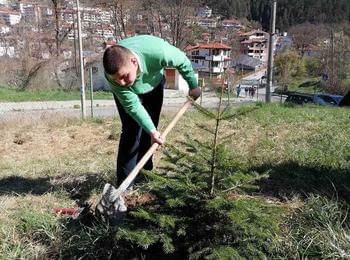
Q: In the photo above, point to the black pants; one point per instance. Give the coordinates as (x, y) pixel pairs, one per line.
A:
(134, 141)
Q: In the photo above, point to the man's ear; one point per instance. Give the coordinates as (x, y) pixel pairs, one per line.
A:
(134, 61)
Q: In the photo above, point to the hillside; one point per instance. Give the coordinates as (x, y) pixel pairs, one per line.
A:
(289, 12)
(282, 188)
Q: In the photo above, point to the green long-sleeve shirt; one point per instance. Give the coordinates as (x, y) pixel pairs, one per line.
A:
(154, 55)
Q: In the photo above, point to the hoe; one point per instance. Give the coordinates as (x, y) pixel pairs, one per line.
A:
(111, 207)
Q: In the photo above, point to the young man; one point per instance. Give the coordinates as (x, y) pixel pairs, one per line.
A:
(134, 71)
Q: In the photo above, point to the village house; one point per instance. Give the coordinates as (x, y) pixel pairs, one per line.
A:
(255, 44)
(207, 22)
(231, 24)
(204, 12)
(10, 17)
(244, 62)
(209, 58)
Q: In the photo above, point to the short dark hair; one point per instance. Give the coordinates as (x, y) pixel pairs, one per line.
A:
(114, 58)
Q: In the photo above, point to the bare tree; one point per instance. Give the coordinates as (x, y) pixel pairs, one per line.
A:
(175, 13)
(62, 29)
(29, 56)
(335, 56)
(61, 32)
(153, 16)
(306, 34)
(120, 15)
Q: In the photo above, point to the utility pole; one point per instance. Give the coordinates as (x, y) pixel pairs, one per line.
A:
(332, 59)
(91, 92)
(75, 44)
(270, 57)
(82, 80)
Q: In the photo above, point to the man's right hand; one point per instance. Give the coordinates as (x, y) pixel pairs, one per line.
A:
(195, 93)
(155, 137)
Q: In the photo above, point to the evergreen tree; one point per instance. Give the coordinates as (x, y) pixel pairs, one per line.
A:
(193, 215)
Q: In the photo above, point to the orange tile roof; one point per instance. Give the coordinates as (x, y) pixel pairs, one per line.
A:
(213, 45)
(253, 32)
(5, 10)
(190, 47)
(230, 21)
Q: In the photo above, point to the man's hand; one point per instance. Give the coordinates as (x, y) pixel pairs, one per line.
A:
(195, 93)
(155, 137)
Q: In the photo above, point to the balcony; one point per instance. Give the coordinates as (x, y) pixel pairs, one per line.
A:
(217, 70)
(215, 58)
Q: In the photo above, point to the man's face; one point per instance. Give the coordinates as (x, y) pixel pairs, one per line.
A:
(126, 75)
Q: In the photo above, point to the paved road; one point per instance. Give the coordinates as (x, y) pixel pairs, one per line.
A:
(173, 99)
(101, 108)
(260, 94)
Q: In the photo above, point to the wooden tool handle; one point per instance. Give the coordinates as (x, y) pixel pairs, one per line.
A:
(126, 183)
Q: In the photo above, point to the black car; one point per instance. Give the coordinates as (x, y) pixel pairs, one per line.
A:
(299, 98)
(319, 99)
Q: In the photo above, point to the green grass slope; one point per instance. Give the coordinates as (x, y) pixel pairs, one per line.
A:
(282, 190)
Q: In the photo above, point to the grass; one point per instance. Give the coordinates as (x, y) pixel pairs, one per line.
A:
(304, 85)
(325, 221)
(296, 206)
(13, 95)
(347, 81)
(310, 85)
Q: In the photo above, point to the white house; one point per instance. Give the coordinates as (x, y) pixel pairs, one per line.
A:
(4, 29)
(231, 24)
(204, 11)
(3, 2)
(9, 16)
(209, 58)
(207, 22)
(255, 44)
(7, 49)
(29, 11)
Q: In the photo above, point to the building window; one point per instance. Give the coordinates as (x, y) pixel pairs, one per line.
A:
(216, 52)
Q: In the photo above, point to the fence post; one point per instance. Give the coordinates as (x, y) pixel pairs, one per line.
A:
(201, 96)
(91, 92)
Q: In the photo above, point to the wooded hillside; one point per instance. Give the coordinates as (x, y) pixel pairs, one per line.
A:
(289, 12)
